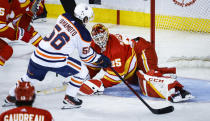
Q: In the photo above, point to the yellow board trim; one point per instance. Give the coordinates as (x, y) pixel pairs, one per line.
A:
(54, 10)
(140, 19)
(105, 15)
(134, 18)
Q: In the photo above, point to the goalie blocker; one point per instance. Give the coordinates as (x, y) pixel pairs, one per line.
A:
(152, 84)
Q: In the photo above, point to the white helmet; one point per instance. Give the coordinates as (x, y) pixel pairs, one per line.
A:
(83, 12)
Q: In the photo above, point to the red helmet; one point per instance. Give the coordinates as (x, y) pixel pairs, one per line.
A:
(100, 35)
(24, 91)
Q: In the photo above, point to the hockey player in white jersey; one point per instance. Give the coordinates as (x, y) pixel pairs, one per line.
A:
(54, 54)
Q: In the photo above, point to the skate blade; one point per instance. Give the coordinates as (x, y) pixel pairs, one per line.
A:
(188, 97)
(71, 107)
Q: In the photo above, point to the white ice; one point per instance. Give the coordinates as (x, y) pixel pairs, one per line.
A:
(188, 51)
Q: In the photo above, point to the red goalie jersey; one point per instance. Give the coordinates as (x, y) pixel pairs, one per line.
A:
(123, 60)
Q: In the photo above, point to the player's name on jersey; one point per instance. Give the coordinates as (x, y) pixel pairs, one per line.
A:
(23, 117)
(68, 27)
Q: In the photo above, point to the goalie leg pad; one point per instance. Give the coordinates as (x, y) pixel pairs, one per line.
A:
(91, 87)
(156, 86)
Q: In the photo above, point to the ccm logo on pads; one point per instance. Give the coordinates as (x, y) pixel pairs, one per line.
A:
(156, 80)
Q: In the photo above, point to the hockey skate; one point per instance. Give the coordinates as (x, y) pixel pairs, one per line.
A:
(71, 102)
(9, 101)
(181, 96)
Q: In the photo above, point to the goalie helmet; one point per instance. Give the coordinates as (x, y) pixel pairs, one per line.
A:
(83, 12)
(100, 35)
(24, 91)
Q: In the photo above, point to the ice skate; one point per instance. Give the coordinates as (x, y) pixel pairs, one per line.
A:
(181, 96)
(9, 101)
(71, 102)
(186, 95)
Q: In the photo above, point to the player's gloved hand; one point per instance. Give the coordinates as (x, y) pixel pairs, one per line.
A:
(104, 62)
(23, 35)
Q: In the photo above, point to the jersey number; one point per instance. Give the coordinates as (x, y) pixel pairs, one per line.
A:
(116, 62)
(59, 41)
(2, 11)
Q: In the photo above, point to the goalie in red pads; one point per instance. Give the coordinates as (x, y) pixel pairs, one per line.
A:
(136, 61)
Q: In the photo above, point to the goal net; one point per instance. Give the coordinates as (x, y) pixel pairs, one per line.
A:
(189, 17)
(184, 15)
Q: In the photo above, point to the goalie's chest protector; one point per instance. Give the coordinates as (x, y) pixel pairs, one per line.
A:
(118, 52)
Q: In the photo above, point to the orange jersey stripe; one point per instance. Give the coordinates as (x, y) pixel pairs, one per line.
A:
(75, 81)
(51, 57)
(74, 65)
(89, 58)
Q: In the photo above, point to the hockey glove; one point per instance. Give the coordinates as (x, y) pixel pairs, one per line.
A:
(23, 35)
(103, 62)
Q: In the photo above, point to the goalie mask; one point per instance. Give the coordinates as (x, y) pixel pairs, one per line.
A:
(24, 91)
(100, 35)
(83, 12)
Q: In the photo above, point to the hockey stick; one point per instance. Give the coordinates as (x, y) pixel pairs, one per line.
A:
(155, 111)
(34, 11)
(51, 90)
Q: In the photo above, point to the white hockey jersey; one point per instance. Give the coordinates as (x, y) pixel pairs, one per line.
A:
(55, 50)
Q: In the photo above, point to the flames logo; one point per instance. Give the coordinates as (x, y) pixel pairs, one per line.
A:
(184, 3)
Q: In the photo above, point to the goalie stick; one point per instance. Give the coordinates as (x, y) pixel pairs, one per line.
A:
(155, 111)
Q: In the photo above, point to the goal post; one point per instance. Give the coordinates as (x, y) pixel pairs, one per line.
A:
(152, 23)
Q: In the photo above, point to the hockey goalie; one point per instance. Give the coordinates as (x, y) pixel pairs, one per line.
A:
(136, 61)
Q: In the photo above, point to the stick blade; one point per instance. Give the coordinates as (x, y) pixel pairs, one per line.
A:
(163, 110)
